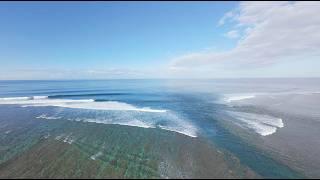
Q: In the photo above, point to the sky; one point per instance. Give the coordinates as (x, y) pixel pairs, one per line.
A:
(116, 40)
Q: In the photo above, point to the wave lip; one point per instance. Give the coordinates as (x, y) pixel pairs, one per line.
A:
(261, 124)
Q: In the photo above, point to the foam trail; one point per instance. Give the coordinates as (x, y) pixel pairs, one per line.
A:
(72, 103)
(167, 121)
(244, 96)
(238, 97)
(261, 124)
(130, 117)
(44, 116)
(136, 123)
(40, 97)
(173, 123)
(95, 156)
(179, 130)
(133, 122)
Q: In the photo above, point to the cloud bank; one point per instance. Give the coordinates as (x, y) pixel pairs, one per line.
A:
(271, 33)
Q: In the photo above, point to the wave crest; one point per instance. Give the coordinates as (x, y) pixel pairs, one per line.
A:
(75, 103)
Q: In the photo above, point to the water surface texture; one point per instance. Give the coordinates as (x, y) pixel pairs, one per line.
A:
(240, 128)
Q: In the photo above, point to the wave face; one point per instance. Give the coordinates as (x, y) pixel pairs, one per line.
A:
(261, 124)
(107, 112)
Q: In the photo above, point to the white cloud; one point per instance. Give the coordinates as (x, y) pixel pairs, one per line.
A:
(226, 17)
(273, 32)
(233, 34)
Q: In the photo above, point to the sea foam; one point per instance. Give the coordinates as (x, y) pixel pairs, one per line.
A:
(44, 116)
(136, 119)
(139, 116)
(260, 123)
(237, 97)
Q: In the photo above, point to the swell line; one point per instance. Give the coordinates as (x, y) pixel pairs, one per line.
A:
(85, 95)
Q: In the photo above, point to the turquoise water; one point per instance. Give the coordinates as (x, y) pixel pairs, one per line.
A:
(157, 104)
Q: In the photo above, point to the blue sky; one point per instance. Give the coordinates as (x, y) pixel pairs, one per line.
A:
(130, 39)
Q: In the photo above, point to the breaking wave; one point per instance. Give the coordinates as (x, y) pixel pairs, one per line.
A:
(75, 103)
(112, 112)
(167, 121)
(261, 124)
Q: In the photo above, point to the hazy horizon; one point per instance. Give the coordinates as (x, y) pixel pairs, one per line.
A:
(101, 79)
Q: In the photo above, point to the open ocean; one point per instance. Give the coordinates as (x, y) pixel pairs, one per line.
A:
(206, 111)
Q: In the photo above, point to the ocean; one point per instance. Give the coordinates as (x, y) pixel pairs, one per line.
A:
(160, 128)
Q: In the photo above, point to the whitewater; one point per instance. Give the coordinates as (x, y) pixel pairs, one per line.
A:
(121, 111)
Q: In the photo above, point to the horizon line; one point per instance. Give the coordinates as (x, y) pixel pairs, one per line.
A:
(159, 79)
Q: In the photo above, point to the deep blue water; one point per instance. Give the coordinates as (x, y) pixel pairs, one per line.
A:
(188, 109)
